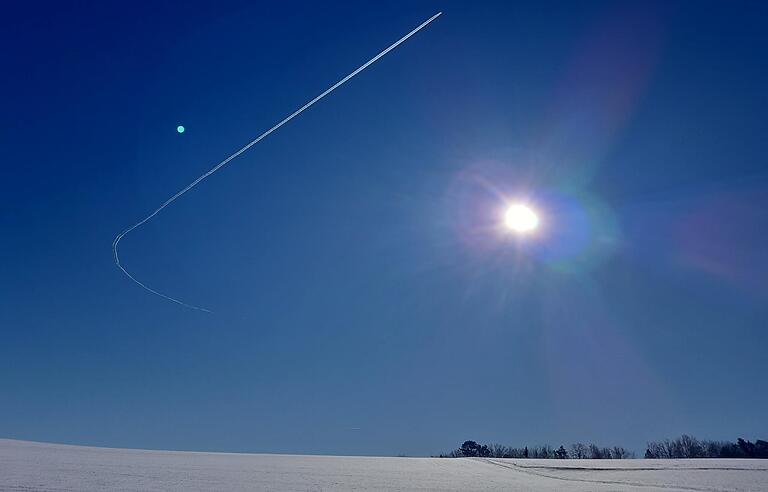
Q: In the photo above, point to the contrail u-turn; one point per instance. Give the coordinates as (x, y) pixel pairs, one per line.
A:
(253, 142)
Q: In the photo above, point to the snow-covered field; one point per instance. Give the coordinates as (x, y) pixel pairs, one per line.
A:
(36, 466)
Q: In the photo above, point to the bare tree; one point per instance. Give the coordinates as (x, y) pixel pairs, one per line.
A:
(595, 453)
(578, 451)
(690, 447)
(619, 453)
(499, 451)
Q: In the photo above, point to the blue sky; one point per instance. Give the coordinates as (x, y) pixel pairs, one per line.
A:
(364, 302)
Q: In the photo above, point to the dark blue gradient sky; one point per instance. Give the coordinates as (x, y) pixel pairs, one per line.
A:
(365, 302)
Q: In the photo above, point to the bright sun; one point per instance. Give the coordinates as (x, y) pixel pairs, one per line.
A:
(520, 218)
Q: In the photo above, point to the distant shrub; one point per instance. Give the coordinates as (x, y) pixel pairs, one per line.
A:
(561, 453)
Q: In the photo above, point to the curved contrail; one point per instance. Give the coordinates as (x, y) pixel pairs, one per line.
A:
(194, 183)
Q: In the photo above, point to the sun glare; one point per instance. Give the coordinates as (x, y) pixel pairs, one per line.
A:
(520, 218)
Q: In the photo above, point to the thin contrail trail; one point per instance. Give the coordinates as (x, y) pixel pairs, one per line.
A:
(194, 183)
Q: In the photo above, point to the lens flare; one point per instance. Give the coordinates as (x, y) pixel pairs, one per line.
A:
(521, 218)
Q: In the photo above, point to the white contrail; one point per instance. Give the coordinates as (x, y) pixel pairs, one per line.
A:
(194, 183)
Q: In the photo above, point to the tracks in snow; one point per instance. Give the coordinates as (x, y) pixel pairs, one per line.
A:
(525, 469)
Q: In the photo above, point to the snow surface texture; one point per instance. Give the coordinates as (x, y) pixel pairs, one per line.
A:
(37, 466)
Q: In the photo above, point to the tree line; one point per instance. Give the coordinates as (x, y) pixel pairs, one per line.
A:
(578, 450)
(689, 447)
(684, 446)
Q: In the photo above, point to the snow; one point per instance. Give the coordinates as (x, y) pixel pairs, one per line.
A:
(37, 466)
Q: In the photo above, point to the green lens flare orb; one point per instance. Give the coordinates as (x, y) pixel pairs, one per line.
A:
(180, 129)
